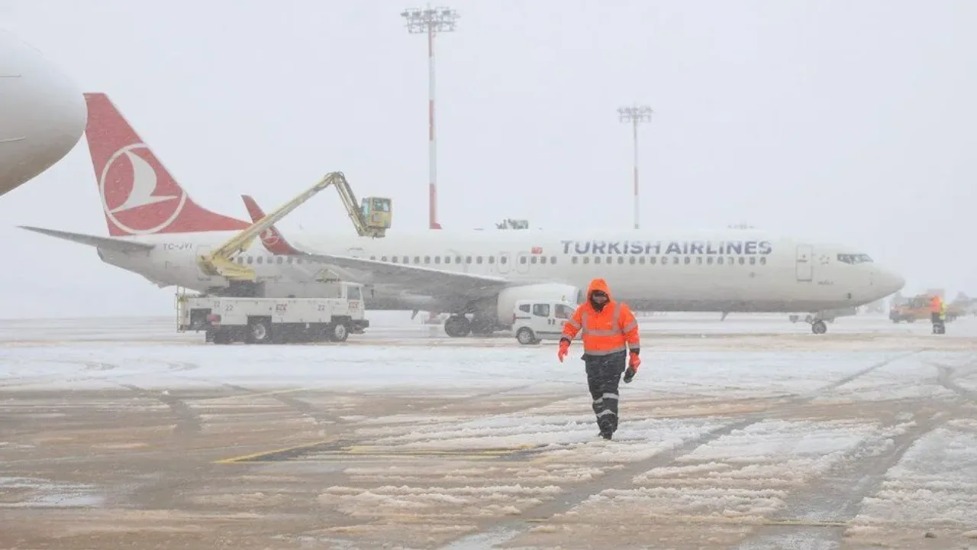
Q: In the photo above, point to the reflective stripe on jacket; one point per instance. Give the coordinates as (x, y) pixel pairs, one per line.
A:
(612, 329)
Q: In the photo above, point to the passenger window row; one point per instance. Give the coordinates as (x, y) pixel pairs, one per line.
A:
(271, 260)
(675, 260)
(439, 260)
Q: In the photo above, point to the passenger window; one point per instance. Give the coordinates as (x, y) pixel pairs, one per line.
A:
(373, 258)
(457, 259)
(709, 260)
(742, 260)
(261, 259)
(289, 260)
(406, 259)
(417, 259)
(533, 260)
(491, 259)
(541, 310)
(524, 308)
(698, 260)
(586, 260)
(763, 261)
(240, 259)
(596, 259)
(279, 260)
(427, 259)
(574, 260)
(522, 259)
(478, 260)
(393, 259)
(652, 260)
(632, 260)
(688, 260)
(542, 259)
(468, 259)
(437, 260)
(641, 260)
(552, 259)
(447, 259)
(719, 260)
(620, 259)
(383, 258)
(675, 260)
(563, 312)
(752, 261)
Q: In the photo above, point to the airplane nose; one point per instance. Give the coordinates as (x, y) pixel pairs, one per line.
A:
(44, 113)
(891, 282)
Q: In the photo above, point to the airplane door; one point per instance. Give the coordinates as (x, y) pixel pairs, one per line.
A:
(522, 262)
(805, 262)
(505, 262)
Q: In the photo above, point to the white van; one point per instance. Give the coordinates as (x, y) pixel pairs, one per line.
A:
(536, 320)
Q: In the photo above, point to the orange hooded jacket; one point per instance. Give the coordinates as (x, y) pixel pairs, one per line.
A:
(606, 331)
(935, 304)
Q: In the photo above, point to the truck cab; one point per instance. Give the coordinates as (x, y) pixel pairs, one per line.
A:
(536, 320)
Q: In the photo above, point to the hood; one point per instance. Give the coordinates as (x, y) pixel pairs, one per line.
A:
(599, 284)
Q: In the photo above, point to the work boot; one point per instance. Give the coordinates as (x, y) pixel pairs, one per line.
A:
(606, 435)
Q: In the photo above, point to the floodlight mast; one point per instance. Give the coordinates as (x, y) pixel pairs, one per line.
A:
(635, 114)
(431, 21)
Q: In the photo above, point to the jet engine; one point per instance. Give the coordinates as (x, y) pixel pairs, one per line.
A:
(543, 292)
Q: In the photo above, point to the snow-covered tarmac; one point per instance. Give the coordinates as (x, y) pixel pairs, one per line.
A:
(747, 433)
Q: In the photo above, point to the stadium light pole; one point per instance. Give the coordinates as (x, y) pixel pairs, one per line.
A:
(635, 114)
(431, 21)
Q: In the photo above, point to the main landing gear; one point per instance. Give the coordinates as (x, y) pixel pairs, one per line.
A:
(818, 325)
(458, 326)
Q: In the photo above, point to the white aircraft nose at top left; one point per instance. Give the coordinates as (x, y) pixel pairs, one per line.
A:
(42, 113)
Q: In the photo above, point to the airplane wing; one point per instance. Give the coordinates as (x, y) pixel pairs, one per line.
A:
(107, 243)
(420, 280)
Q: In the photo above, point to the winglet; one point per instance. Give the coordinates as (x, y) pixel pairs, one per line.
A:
(271, 238)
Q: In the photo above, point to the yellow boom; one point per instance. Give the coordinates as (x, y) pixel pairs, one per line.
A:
(372, 219)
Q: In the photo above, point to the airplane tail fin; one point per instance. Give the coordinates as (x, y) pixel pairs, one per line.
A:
(139, 196)
(271, 238)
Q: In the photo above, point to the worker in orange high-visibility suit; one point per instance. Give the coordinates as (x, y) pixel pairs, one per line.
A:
(609, 330)
(936, 307)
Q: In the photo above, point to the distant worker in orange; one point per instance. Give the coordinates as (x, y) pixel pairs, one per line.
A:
(936, 308)
(609, 331)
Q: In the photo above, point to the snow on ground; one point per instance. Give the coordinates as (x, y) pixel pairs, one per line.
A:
(731, 436)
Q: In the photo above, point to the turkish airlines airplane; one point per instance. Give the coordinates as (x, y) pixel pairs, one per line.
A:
(156, 230)
(42, 115)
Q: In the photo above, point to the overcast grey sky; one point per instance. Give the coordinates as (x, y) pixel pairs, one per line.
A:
(839, 120)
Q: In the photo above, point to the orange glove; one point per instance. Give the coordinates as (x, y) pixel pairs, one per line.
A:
(564, 350)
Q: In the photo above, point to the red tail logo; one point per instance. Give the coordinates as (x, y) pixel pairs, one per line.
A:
(139, 196)
(273, 240)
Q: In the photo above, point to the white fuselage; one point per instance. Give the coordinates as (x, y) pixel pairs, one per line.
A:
(42, 114)
(727, 271)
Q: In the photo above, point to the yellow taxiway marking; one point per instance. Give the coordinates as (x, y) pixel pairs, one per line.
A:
(371, 452)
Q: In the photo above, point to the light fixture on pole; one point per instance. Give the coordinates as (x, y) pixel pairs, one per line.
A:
(635, 114)
(431, 21)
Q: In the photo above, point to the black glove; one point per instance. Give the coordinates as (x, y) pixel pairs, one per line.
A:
(629, 375)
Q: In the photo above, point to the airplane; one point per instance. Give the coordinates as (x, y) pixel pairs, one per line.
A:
(157, 230)
(42, 114)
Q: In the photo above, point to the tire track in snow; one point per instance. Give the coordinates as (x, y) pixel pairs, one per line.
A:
(818, 514)
(622, 479)
(187, 421)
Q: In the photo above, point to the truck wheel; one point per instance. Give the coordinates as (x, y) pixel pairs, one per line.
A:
(339, 333)
(526, 336)
(259, 331)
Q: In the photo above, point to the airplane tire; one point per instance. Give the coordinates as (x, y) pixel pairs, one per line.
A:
(819, 327)
(259, 331)
(457, 326)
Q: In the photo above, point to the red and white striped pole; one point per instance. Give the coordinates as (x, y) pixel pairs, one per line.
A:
(634, 115)
(431, 21)
(432, 140)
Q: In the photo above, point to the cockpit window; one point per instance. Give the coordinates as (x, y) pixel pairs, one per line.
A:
(854, 258)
